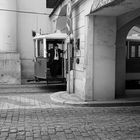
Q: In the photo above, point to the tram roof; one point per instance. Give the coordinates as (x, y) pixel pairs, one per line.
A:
(52, 36)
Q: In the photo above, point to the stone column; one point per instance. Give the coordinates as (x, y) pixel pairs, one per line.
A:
(9, 58)
(104, 39)
(89, 59)
(120, 63)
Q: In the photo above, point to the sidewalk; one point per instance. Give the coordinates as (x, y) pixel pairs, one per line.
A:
(71, 99)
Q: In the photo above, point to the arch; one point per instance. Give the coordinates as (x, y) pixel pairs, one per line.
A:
(134, 31)
(121, 57)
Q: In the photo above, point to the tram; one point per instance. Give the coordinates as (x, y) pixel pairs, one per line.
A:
(42, 45)
(133, 62)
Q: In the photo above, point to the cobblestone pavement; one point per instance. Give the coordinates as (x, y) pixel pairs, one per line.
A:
(36, 117)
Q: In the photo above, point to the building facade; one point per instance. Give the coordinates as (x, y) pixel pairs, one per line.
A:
(18, 19)
(101, 26)
(99, 31)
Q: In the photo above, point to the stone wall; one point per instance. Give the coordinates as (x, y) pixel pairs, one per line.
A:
(10, 70)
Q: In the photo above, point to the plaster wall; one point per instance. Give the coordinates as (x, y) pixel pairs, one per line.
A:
(127, 17)
(104, 57)
(83, 29)
(82, 73)
(8, 26)
(10, 72)
(33, 15)
(89, 59)
(79, 33)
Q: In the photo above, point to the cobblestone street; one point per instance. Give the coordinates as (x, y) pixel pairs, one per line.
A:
(36, 117)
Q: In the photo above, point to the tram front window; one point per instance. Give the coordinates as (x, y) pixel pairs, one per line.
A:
(40, 48)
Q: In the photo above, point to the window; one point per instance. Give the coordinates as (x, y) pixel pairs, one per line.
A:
(40, 48)
(51, 3)
(133, 51)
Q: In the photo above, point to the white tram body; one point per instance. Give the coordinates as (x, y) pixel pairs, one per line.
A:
(43, 43)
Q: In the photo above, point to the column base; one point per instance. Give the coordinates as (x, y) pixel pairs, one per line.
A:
(70, 88)
(10, 68)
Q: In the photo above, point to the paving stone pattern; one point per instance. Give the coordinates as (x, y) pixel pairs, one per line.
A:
(36, 117)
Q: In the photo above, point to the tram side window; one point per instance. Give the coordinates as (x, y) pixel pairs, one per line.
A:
(138, 50)
(40, 48)
(133, 50)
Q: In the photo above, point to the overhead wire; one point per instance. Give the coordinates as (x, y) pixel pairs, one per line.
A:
(29, 12)
(35, 13)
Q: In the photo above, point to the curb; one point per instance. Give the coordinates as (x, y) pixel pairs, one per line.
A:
(58, 98)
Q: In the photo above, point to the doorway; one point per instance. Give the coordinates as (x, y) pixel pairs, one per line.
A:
(127, 60)
(45, 59)
(133, 58)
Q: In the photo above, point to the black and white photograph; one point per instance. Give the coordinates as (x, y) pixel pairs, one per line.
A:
(69, 69)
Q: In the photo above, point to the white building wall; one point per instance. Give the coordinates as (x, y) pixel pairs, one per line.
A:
(104, 57)
(79, 18)
(9, 58)
(8, 26)
(32, 15)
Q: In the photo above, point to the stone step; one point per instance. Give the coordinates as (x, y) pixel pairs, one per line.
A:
(32, 88)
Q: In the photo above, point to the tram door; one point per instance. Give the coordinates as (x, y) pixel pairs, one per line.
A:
(40, 64)
(61, 74)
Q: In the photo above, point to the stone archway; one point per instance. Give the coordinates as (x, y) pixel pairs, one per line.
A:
(121, 57)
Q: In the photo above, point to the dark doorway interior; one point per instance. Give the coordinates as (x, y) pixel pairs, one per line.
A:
(133, 59)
